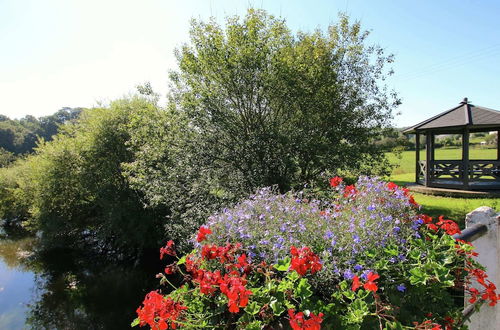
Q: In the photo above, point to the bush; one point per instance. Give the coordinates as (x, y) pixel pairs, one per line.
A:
(361, 259)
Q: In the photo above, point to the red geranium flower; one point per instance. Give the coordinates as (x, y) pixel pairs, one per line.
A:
(169, 249)
(334, 182)
(158, 312)
(370, 284)
(202, 233)
(350, 191)
(303, 260)
(355, 283)
(298, 321)
(392, 186)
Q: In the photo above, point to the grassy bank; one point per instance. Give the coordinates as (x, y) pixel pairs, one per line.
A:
(453, 208)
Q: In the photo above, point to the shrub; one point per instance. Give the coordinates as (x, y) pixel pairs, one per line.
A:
(364, 259)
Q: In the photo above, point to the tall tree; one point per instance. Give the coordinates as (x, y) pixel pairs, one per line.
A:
(273, 107)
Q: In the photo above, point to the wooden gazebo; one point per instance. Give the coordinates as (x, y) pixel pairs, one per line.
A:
(464, 174)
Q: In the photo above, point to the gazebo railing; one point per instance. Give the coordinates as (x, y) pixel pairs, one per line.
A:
(452, 169)
(422, 167)
(477, 171)
(481, 170)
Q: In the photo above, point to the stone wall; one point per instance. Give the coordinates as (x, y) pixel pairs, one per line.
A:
(488, 247)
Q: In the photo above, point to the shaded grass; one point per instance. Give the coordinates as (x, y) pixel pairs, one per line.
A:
(451, 208)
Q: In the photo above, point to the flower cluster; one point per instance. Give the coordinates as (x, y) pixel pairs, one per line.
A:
(168, 249)
(368, 215)
(202, 233)
(299, 322)
(304, 260)
(488, 289)
(159, 312)
(448, 226)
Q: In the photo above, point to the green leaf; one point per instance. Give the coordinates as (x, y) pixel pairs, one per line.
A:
(255, 325)
(418, 276)
(414, 254)
(283, 265)
(182, 261)
(393, 326)
(349, 294)
(303, 289)
(135, 322)
(252, 308)
(277, 307)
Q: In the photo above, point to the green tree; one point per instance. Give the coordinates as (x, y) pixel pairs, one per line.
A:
(271, 107)
(75, 189)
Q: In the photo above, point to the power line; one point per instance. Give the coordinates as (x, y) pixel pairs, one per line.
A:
(451, 62)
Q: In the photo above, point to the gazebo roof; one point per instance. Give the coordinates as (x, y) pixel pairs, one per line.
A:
(456, 119)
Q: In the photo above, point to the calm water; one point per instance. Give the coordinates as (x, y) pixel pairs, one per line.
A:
(67, 289)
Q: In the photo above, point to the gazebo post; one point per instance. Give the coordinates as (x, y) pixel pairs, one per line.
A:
(465, 157)
(498, 145)
(417, 156)
(428, 153)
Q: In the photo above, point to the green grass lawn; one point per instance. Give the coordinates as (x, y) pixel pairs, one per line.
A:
(452, 208)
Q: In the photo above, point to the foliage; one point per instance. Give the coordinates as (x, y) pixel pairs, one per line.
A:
(276, 108)
(166, 169)
(73, 189)
(6, 157)
(20, 136)
(408, 275)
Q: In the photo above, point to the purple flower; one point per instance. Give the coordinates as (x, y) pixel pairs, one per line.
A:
(401, 287)
(358, 267)
(348, 274)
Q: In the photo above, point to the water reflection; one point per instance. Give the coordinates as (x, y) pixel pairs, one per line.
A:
(68, 289)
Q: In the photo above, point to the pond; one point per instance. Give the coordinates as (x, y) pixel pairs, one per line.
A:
(68, 289)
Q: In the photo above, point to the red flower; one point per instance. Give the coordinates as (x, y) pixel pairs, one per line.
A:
(170, 269)
(425, 218)
(304, 260)
(412, 200)
(298, 321)
(243, 263)
(209, 252)
(350, 191)
(449, 226)
(158, 312)
(233, 286)
(355, 283)
(202, 233)
(392, 186)
(370, 284)
(334, 182)
(169, 249)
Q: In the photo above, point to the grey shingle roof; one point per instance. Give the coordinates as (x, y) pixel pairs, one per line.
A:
(463, 115)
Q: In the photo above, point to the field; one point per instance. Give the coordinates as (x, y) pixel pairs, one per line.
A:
(453, 208)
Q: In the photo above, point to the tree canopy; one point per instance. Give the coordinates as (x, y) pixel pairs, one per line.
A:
(274, 107)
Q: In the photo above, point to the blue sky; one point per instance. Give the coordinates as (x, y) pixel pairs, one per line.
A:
(57, 53)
